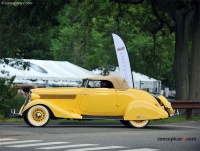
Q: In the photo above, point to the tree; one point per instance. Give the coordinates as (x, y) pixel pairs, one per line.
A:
(195, 61)
(81, 34)
(8, 91)
(77, 42)
(23, 34)
(182, 16)
(23, 28)
(181, 13)
(187, 81)
(90, 28)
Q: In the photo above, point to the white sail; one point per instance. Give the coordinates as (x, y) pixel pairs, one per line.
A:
(123, 60)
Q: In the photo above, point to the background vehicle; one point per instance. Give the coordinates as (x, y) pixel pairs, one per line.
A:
(133, 107)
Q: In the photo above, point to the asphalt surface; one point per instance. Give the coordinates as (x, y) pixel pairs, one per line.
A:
(113, 136)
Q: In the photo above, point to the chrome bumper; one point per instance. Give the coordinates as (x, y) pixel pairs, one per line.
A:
(176, 113)
(13, 114)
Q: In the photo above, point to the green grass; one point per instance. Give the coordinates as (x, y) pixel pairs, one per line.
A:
(163, 121)
(12, 120)
(174, 119)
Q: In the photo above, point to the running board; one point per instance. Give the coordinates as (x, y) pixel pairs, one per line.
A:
(88, 117)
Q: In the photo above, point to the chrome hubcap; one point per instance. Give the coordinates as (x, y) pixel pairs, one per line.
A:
(38, 115)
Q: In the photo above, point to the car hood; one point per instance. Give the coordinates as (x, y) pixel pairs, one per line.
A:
(56, 90)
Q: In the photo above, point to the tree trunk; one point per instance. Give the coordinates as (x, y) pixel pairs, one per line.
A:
(195, 59)
(181, 55)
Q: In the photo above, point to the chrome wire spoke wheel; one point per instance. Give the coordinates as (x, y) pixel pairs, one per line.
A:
(38, 115)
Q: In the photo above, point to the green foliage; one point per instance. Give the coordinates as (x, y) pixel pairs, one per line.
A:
(7, 92)
(16, 102)
(7, 89)
(12, 103)
(75, 42)
(80, 32)
(1, 117)
(15, 63)
(84, 37)
(24, 28)
(174, 119)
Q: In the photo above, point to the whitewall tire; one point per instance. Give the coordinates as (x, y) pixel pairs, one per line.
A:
(138, 123)
(37, 115)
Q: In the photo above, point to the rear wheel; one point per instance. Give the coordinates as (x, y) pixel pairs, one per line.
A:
(37, 115)
(138, 123)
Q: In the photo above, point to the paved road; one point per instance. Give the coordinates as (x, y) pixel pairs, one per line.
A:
(100, 136)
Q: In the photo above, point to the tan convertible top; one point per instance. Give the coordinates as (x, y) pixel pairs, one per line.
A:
(118, 82)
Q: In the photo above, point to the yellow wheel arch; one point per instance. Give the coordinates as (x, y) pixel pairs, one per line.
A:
(55, 110)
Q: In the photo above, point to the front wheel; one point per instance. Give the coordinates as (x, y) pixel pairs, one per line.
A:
(138, 123)
(37, 115)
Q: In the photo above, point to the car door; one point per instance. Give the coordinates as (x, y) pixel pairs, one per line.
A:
(98, 101)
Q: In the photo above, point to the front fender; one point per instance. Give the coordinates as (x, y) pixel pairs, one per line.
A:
(58, 112)
(141, 110)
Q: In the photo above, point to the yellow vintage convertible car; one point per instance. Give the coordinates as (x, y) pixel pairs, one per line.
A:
(106, 97)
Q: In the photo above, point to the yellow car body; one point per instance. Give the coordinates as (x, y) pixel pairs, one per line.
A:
(133, 107)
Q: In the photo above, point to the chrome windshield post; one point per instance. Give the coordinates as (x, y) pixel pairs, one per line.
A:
(86, 86)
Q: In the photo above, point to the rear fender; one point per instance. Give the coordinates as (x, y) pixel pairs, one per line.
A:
(141, 110)
(58, 112)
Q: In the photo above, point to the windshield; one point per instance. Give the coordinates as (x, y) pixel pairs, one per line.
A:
(84, 82)
(96, 84)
